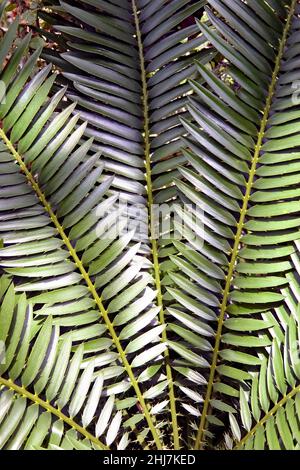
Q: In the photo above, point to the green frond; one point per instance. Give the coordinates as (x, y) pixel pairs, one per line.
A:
(129, 75)
(269, 403)
(58, 245)
(111, 335)
(104, 70)
(39, 402)
(241, 230)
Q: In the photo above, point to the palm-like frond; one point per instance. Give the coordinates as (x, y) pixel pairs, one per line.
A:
(114, 337)
(130, 63)
(51, 365)
(269, 403)
(232, 277)
(58, 248)
(129, 66)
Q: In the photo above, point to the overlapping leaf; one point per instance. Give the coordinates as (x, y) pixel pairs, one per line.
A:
(129, 65)
(269, 403)
(62, 241)
(243, 217)
(228, 340)
(65, 397)
(108, 64)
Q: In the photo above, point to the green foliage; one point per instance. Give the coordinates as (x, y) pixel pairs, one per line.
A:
(115, 342)
(243, 170)
(102, 293)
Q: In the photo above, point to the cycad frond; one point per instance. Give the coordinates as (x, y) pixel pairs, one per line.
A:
(131, 85)
(269, 403)
(233, 273)
(113, 336)
(130, 79)
(46, 403)
(58, 247)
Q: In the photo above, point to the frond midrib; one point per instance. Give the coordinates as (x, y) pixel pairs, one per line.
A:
(102, 311)
(267, 416)
(22, 391)
(240, 226)
(154, 246)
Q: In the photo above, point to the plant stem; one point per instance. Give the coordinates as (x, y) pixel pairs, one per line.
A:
(51, 409)
(267, 416)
